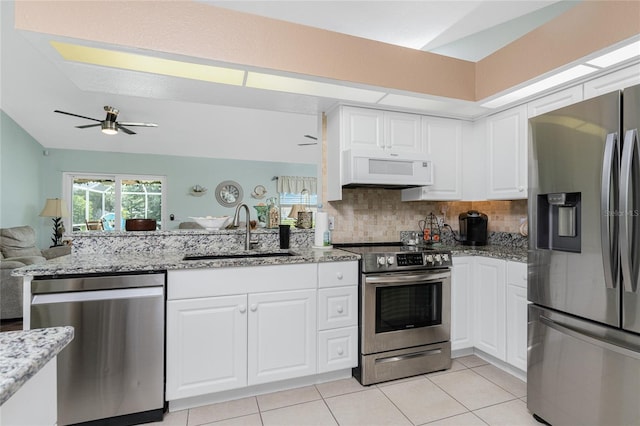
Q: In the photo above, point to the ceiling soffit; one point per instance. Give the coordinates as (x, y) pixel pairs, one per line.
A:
(221, 35)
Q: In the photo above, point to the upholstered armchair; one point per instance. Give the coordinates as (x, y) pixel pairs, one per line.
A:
(18, 249)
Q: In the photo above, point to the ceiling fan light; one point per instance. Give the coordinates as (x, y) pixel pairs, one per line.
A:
(109, 128)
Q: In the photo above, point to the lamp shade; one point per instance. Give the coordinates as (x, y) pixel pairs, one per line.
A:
(55, 207)
(294, 211)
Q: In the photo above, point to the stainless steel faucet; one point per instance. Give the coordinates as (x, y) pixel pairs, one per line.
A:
(236, 223)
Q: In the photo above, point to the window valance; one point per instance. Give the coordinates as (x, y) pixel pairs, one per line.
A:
(296, 184)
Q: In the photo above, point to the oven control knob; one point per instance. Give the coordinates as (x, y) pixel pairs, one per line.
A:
(429, 258)
(439, 259)
(390, 260)
(445, 256)
(382, 260)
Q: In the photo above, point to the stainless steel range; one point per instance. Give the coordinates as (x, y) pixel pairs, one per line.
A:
(404, 311)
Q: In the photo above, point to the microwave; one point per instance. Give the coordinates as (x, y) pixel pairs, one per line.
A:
(385, 169)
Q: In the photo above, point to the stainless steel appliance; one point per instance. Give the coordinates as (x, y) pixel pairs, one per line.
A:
(473, 228)
(584, 261)
(113, 370)
(404, 311)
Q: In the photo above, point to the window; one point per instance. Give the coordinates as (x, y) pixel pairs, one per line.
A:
(297, 193)
(104, 202)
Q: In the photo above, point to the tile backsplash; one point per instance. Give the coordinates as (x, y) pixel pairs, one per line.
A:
(374, 214)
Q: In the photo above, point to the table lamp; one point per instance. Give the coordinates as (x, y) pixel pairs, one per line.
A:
(56, 209)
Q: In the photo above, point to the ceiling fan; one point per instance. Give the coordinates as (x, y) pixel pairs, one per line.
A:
(109, 125)
(309, 143)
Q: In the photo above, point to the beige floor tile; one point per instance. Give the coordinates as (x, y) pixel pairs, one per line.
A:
(512, 413)
(466, 419)
(503, 379)
(250, 420)
(314, 413)
(455, 366)
(422, 401)
(222, 411)
(395, 382)
(340, 387)
(471, 389)
(471, 361)
(177, 418)
(367, 408)
(285, 398)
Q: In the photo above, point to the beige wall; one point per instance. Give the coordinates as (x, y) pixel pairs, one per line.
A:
(203, 31)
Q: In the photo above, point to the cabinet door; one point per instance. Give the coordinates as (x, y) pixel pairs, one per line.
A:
(517, 314)
(443, 145)
(337, 349)
(402, 132)
(362, 128)
(282, 335)
(489, 307)
(507, 154)
(517, 326)
(462, 283)
(206, 345)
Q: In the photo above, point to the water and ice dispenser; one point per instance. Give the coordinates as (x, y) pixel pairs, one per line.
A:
(559, 219)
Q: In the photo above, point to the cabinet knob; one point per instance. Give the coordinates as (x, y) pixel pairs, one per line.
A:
(242, 309)
(339, 275)
(340, 309)
(253, 307)
(521, 188)
(340, 350)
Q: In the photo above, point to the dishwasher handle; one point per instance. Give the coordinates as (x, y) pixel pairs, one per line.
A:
(89, 296)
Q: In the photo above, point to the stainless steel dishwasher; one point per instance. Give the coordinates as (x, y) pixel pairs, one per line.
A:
(113, 370)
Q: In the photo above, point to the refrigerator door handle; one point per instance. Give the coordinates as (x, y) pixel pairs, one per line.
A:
(630, 156)
(608, 216)
(581, 335)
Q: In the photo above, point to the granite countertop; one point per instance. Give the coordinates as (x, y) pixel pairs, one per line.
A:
(515, 254)
(24, 353)
(131, 262)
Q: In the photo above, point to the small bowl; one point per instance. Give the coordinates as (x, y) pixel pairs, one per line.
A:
(140, 225)
(212, 223)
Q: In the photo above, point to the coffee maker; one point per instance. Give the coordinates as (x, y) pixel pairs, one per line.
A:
(473, 228)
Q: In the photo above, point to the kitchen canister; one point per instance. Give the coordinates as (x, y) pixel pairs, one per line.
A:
(305, 220)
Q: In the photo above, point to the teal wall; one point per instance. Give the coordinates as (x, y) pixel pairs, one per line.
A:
(21, 198)
(29, 177)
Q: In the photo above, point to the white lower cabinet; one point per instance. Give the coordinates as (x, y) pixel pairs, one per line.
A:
(462, 283)
(281, 336)
(337, 316)
(278, 325)
(206, 345)
(517, 314)
(489, 308)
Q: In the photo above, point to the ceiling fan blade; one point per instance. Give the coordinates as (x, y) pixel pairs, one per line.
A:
(309, 143)
(124, 129)
(76, 115)
(139, 124)
(88, 125)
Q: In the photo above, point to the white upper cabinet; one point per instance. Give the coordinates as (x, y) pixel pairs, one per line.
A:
(402, 133)
(616, 80)
(507, 154)
(371, 129)
(442, 139)
(362, 128)
(554, 101)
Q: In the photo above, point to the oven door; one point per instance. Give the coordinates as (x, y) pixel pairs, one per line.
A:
(405, 309)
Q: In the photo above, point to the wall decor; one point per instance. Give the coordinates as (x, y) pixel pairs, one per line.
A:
(229, 193)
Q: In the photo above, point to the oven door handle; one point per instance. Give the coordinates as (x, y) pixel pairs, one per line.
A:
(398, 279)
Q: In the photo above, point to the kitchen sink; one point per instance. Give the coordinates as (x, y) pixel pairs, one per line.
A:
(236, 256)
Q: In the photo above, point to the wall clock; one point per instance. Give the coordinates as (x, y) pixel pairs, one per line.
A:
(229, 193)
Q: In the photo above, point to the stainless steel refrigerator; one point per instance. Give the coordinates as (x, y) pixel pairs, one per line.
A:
(584, 259)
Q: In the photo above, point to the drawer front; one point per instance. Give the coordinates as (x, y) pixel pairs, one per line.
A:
(517, 274)
(337, 307)
(337, 349)
(333, 274)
